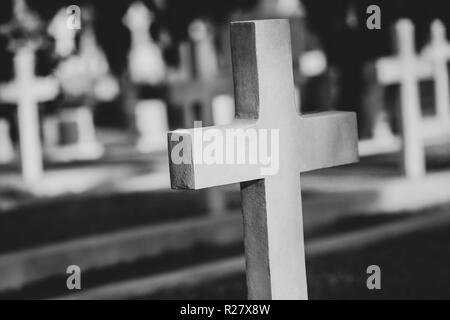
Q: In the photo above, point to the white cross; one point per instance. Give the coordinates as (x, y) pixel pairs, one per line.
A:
(407, 69)
(27, 91)
(272, 205)
(439, 54)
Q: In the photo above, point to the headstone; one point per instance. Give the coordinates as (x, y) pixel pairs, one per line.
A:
(272, 206)
(64, 40)
(223, 110)
(407, 69)
(85, 80)
(152, 125)
(51, 132)
(94, 64)
(205, 83)
(146, 66)
(145, 60)
(6, 145)
(382, 130)
(76, 139)
(205, 56)
(376, 134)
(374, 117)
(439, 54)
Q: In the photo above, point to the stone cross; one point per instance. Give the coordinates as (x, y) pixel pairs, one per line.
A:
(27, 91)
(272, 205)
(407, 69)
(439, 53)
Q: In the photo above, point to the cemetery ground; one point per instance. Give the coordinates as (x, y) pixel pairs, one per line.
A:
(134, 238)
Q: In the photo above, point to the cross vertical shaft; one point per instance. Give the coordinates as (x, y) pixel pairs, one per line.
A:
(28, 115)
(273, 219)
(413, 149)
(275, 269)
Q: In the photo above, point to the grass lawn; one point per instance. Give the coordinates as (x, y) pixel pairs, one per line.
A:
(413, 266)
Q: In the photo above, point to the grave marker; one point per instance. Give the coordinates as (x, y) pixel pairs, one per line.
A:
(206, 63)
(25, 34)
(76, 138)
(146, 66)
(206, 82)
(85, 79)
(272, 205)
(27, 91)
(223, 110)
(152, 124)
(215, 108)
(407, 69)
(439, 54)
(145, 60)
(6, 146)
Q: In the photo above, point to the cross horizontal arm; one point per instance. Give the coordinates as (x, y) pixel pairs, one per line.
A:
(391, 70)
(9, 92)
(328, 139)
(38, 89)
(214, 156)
